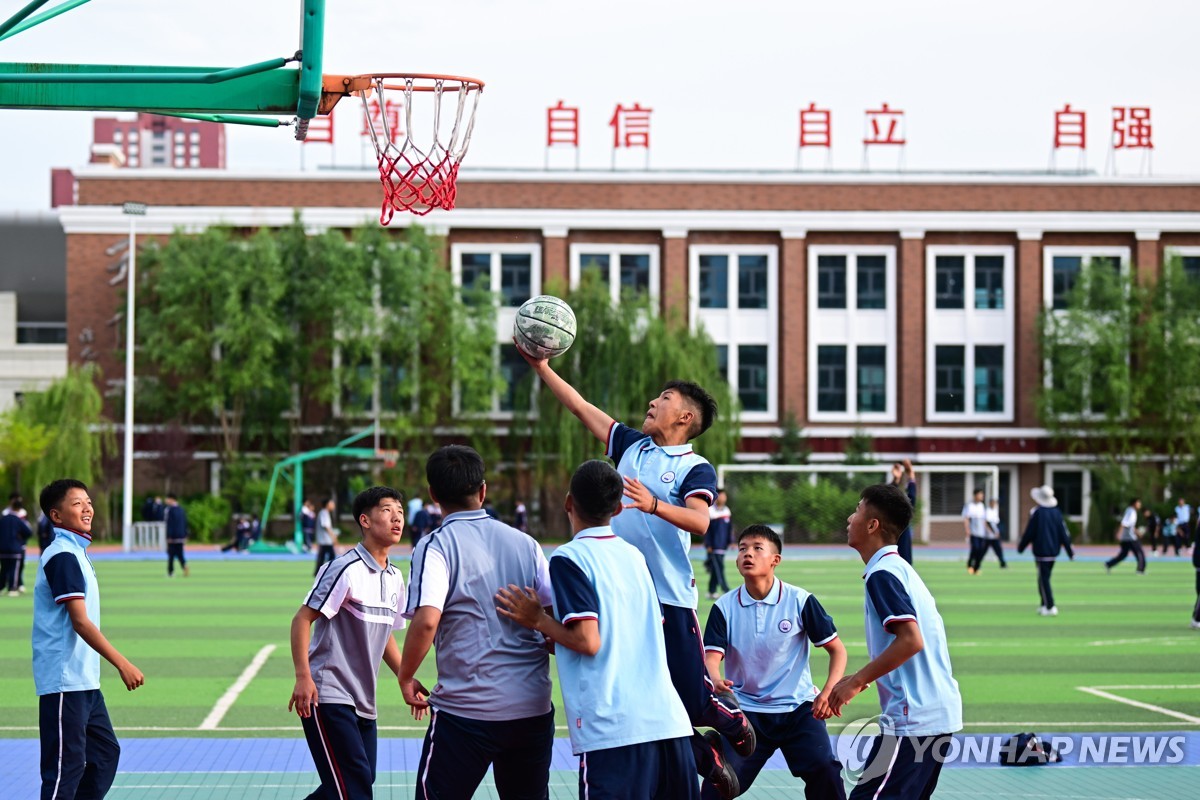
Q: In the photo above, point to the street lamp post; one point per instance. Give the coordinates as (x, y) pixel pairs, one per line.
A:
(133, 211)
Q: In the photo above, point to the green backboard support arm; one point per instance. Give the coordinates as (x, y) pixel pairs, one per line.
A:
(265, 87)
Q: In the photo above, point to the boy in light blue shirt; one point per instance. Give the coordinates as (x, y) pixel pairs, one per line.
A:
(764, 631)
(906, 641)
(626, 723)
(79, 748)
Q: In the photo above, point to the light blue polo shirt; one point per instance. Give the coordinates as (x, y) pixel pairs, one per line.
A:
(920, 697)
(623, 695)
(62, 661)
(766, 645)
(1183, 514)
(672, 474)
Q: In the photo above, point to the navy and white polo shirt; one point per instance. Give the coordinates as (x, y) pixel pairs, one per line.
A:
(62, 661)
(623, 695)
(920, 697)
(360, 603)
(489, 667)
(672, 474)
(766, 645)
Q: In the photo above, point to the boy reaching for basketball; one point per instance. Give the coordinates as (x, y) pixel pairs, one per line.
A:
(631, 734)
(910, 663)
(356, 603)
(764, 631)
(671, 488)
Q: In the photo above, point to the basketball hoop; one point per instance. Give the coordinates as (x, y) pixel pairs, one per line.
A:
(418, 177)
(388, 457)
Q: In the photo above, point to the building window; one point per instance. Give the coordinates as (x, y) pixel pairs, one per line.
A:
(989, 282)
(514, 370)
(949, 272)
(735, 297)
(624, 269)
(752, 377)
(872, 378)
(516, 278)
(1191, 267)
(831, 281)
(950, 386)
(476, 272)
(714, 281)
(831, 377)
(989, 379)
(969, 332)
(946, 493)
(1068, 490)
(851, 322)
(872, 282)
(1066, 269)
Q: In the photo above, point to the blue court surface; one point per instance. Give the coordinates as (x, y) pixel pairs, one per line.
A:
(1120, 766)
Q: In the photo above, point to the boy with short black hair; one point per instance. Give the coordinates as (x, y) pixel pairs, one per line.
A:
(910, 662)
(79, 748)
(670, 488)
(356, 603)
(763, 631)
(491, 705)
(626, 722)
(1127, 539)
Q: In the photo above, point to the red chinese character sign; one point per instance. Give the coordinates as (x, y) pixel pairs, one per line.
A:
(1131, 130)
(884, 126)
(631, 128)
(816, 130)
(562, 129)
(1070, 131)
(380, 118)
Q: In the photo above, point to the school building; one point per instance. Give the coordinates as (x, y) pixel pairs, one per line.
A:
(904, 305)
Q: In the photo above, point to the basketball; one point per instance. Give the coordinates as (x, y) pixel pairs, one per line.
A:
(545, 327)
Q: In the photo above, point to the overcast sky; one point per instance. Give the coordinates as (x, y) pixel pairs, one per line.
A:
(979, 81)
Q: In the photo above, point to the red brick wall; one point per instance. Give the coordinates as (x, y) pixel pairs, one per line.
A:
(910, 321)
(793, 328)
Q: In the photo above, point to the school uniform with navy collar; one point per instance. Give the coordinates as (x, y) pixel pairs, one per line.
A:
(674, 473)
(491, 705)
(766, 645)
(359, 601)
(79, 750)
(631, 736)
(920, 701)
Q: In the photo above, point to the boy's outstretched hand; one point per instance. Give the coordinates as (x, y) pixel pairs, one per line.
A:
(522, 606)
(635, 490)
(843, 692)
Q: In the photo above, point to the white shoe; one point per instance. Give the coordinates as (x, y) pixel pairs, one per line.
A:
(1052, 611)
(1042, 610)
(1195, 625)
(14, 593)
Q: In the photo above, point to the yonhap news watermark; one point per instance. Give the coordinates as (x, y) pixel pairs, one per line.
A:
(859, 738)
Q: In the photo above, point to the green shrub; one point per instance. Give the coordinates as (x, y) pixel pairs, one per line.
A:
(208, 518)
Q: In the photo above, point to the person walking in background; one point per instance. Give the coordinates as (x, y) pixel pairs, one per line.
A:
(1170, 534)
(975, 525)
(1183, 522)
(327, 535)
(1047, 532)
(14, 532)
(177, 531)
(992, 533)
(308, 525)
(904, 477)
(1127, 538)
(1150, 524)
(521, 518)
(414, 507)
(716, 542)
(153, 509)
(16, 507)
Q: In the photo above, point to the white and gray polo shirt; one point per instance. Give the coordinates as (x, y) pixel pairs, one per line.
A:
(360, 604)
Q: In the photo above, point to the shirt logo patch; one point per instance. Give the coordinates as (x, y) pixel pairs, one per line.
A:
(785, 625)
(668, 477)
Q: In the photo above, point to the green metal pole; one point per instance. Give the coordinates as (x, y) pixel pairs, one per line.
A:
(16, 19)
(165, 76)
(40, 18)
(227, 119)
(297, 503)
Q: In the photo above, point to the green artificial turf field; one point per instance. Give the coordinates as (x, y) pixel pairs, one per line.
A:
(193, 638)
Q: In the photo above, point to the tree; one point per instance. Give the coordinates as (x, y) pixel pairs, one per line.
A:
(1124, 379)
(623, 355)
(70, 410)
(21, 443)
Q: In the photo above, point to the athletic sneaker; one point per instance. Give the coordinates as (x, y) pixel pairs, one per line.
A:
(745, 741)
(1195, 625)
(1052, 611)
(723, 778)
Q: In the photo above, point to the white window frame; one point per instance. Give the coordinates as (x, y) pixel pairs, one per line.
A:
(506, 316)
(614, 253)
(731, 326)
(844, 326)
(1124, 254)
(1049, 472)
(970, 327)
(969, 484)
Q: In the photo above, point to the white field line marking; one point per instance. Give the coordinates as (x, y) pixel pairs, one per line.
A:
(231, 694)
(1138, 704)
(1171, 640)
(1150, 686)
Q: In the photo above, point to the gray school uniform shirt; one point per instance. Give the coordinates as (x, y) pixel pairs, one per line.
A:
(489, 667)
